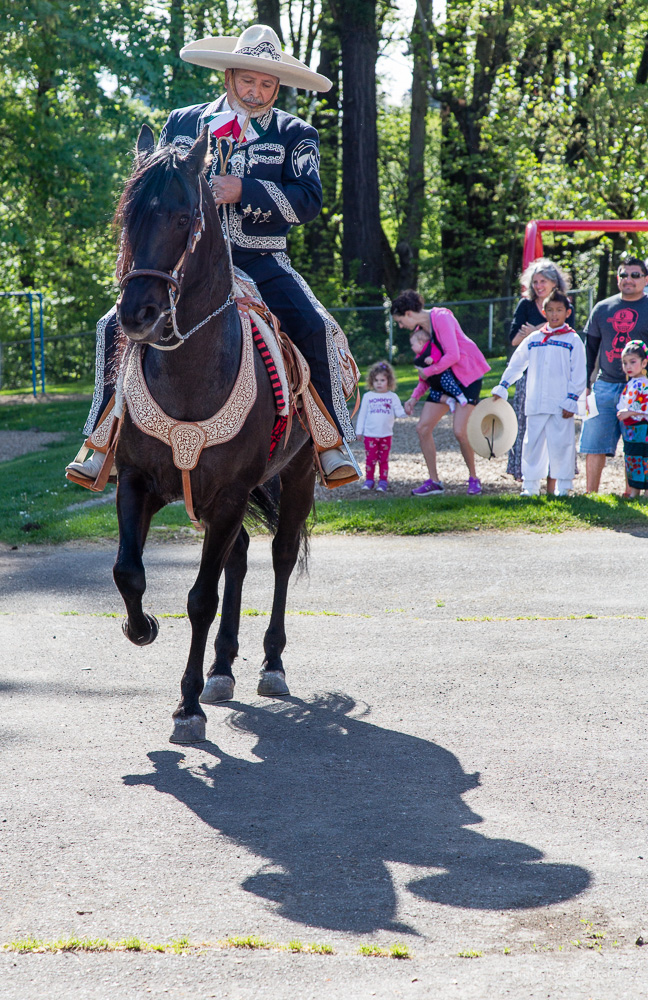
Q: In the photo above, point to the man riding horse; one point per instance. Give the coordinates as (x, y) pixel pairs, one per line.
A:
(271, 183)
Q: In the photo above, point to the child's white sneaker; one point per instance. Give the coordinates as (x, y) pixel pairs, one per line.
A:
(450, 403)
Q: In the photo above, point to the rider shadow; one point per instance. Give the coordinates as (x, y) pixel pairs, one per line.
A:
(332, 799)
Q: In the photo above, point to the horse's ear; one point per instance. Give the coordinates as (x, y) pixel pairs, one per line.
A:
(199, 156)
(145, 142)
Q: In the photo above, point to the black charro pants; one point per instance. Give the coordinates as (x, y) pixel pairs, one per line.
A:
(305, 321)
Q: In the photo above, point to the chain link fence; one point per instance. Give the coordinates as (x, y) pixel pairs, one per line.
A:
(67, 357)
(373, 334)
(37, 361)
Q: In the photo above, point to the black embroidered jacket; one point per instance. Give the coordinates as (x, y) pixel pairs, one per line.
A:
(279, 172)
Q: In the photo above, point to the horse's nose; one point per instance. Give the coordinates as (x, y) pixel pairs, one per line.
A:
(147, 315)
(138, 320)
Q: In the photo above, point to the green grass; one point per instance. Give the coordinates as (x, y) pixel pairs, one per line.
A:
(26, 945)
(397, 950)
(80, 386)
(505, 512)
(178, 946)
(67, 415)
(249, 942)
(34, 496)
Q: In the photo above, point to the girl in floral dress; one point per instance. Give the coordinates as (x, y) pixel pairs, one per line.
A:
(632, 410)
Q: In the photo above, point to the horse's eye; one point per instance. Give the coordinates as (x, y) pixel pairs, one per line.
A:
(183, 220)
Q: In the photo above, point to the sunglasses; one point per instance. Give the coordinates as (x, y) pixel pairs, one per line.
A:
(631, 274)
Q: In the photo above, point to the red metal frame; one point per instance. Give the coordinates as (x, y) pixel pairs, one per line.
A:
(534, 230)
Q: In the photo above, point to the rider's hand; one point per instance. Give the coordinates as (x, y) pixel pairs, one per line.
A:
(227, 190)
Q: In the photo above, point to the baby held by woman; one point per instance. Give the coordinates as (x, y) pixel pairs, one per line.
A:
(444, 387)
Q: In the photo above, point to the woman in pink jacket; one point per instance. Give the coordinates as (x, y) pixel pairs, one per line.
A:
(468, 365)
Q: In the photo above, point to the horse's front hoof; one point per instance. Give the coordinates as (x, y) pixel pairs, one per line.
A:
(148, 637)
(218, 688)
(272, 684)
(191, 730)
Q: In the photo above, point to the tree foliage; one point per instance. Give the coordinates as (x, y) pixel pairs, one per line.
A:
(516, 111)
(543, 110)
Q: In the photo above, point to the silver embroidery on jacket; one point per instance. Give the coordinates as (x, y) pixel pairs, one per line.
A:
(184, 141)
(305, 158)
(265, 152)
(280, 200)
(238, 237)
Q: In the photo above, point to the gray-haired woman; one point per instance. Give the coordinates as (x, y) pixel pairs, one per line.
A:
(540, 278)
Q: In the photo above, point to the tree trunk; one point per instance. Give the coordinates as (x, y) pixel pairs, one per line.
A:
(409, 236)
(269, 12)
(319, 235)
(361, 245)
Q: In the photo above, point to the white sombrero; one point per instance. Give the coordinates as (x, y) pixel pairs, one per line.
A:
(257, 49)
(492, 427)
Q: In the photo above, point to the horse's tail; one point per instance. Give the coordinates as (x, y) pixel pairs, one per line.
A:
(263, 505)
(263, 509)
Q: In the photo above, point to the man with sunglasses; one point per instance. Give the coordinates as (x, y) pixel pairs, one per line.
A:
(612, 324)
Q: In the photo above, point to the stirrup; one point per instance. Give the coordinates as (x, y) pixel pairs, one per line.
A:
(341, 458)
(94, 480)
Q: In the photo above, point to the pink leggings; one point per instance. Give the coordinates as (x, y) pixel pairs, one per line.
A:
(377, 450)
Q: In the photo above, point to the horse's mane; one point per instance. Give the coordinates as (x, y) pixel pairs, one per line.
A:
(147, 189)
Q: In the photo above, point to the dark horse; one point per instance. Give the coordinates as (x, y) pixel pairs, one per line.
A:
(166, 206)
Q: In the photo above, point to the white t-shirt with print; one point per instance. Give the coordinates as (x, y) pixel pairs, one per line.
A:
(378, 411)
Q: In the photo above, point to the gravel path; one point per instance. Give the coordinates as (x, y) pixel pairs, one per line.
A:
(15, 443)
(407, 467)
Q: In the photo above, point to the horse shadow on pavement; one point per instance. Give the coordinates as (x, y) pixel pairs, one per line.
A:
(332, 799)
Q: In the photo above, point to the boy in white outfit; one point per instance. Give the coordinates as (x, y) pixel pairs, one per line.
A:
(555, 358)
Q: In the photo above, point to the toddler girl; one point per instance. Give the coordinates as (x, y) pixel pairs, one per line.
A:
(444, 388)
(378, 410)
(632, 410)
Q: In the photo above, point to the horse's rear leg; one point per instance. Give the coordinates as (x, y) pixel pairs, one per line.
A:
(136, 505)
(219, 685)
(297, 484)
(189, 719)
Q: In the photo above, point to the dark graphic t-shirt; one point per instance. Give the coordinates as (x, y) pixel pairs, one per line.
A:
(612, 324)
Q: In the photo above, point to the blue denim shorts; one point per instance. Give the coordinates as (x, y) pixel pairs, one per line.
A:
(600, 434)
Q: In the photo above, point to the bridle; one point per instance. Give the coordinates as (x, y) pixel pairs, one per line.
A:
(175, 278)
